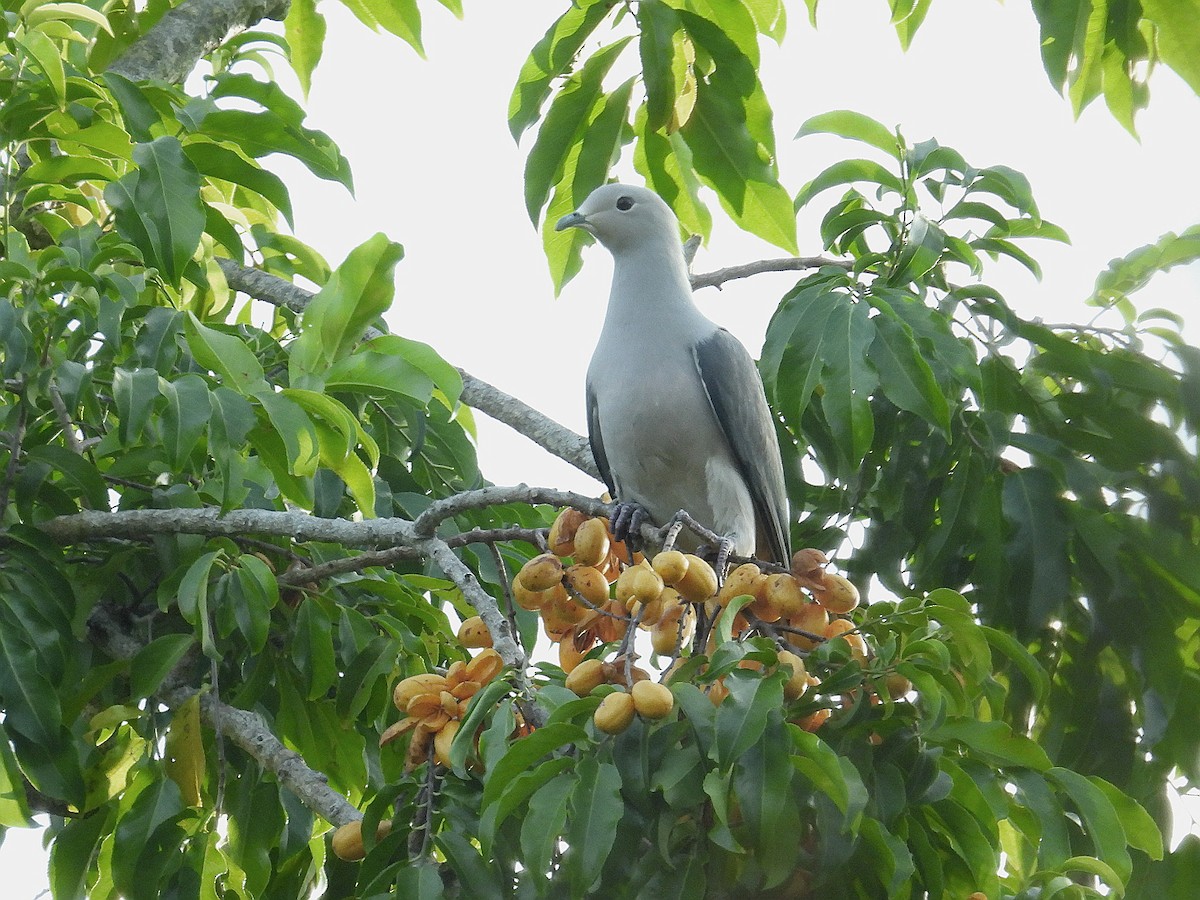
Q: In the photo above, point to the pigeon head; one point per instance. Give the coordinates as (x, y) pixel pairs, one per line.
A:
(624, 217)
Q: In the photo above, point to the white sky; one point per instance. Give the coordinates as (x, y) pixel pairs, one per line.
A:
(436, 169)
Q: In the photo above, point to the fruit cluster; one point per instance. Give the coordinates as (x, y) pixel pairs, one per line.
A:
(585, 594)
(434, 705)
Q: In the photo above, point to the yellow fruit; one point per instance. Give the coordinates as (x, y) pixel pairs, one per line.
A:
(652, 700)
(473, 634)
(586, 677)
(808, 567)
(797, 683)
(671, 565)
(415, 685)
(783, 592)
(561, 539)
(486, 665)
(815, 720)
(813, 618)
(591, 543)
(647, 614)
(639, 583)
(615, 713)
(665, 635)
(897, 685)
(744, 579)
(442, 741)
(845, 629)
(839, 596)
(608, 628)
(588, 583)
(717, 692)
(531, 600)
(699, 582)
(541, 573)
(348, 840)
(570, 654)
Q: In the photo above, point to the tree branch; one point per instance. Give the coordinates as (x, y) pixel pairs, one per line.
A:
(524, 419)
(170, 50)
(759, 267)
(264, 286)
(244, 728)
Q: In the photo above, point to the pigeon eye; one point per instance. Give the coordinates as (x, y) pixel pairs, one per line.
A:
(624, 204)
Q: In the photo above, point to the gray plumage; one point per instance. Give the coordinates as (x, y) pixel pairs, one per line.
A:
(677, 417)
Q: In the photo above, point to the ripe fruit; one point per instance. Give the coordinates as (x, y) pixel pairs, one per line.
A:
(586, 677)
(797, 684)
(608, 628)
(839, 596)
(615, 713)
(815, 720)
(541, 573)
(783, 592)
(485, 666)
(671, 565)
(442, 741)
(845, 629)
(473, 634)
(591, 543)
(813, 618)
(744, 579)
(415, 685)
(561, 539)
(348, 839)
(639, 583)
(588, 583)
(569, 654)
(897, 685)
(527, 599)
(652, 700)
(699, 582)
(664, 636)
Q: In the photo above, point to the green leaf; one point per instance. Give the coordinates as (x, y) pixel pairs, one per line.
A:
(561, 128)
(142, 836)
(1099, 817)
(904, 375)
(596, 808)
(186, 416)
(849, 379)
(856, 127)
(817, 762)
(1025, 662)
(993, 742)
(849, 171)
(660, 49)
(1141, 831)
(134, 394)
(480, 707)
(265, 132)
(45, 54)
(192, 597)
(66, 12)
(312, 649)
(477, 880)
(523, 753)
(304, 29)
(892, 862)
(358, 292)
(295, 429)
(742, 717)
(216, 161)
(543, 825)
(666, 164)
(401, 17)
(225, 354)
(158, 207)
(1037, 549)
(1176, 36)
(154, 661)
(732, 141)
(550, 59)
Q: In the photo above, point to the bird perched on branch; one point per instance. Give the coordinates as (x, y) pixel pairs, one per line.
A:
(677, 415)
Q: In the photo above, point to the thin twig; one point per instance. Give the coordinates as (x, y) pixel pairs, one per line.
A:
(762, 266)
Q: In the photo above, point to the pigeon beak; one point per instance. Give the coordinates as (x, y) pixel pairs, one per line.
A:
(572, 220)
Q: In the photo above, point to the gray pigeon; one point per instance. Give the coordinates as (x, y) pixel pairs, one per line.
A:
(677, 416)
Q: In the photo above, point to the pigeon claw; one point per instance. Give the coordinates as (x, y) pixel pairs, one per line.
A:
(627, 522)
